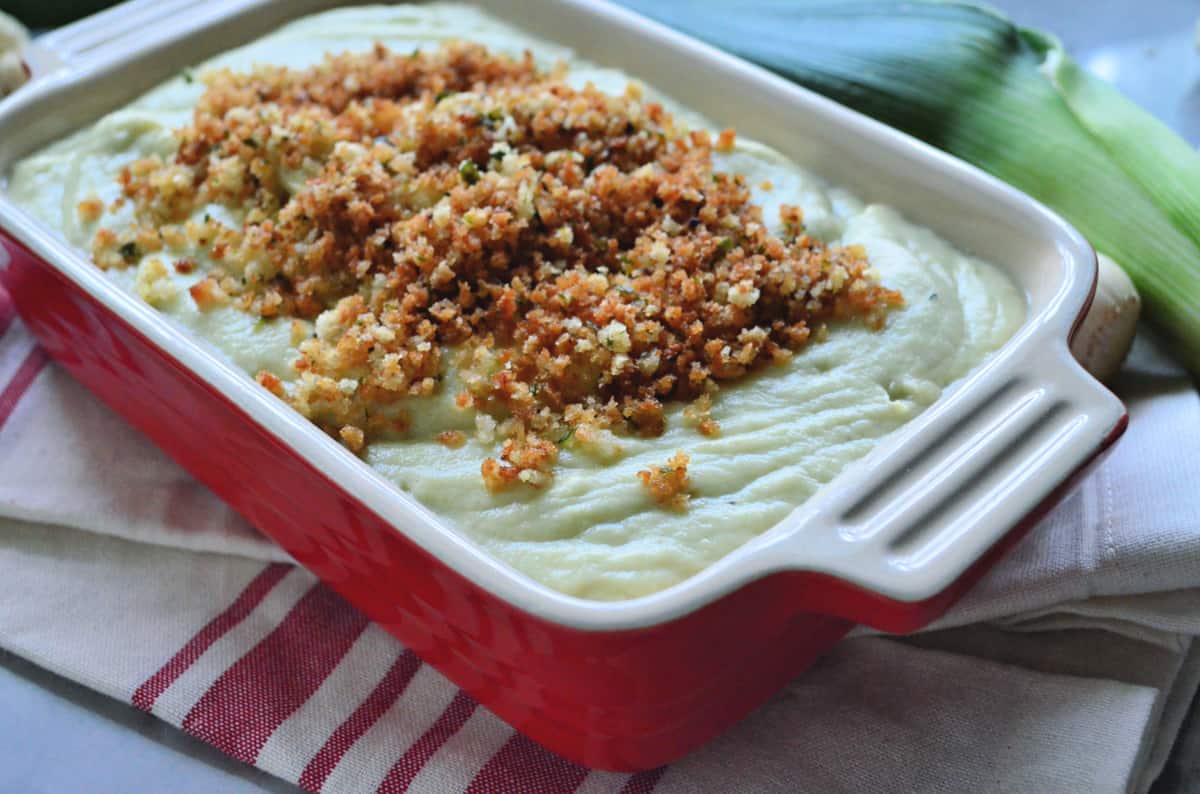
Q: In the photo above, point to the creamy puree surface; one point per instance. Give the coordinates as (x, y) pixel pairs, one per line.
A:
(594, 531)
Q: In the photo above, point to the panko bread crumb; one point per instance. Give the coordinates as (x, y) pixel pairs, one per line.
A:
(573, 254)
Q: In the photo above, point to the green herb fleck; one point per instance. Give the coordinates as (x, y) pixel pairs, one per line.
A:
(726, 245)
(253, 144)
(129, 251)
(566, 437)
(492, 118)
(442, 95)
(188, 76)
(468, 171)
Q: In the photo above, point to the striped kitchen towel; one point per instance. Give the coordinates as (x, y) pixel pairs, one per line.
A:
(269, 666)
(169, 602)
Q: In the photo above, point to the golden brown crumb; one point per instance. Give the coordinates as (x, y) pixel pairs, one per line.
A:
(529, 460)
(271, 383)
(575, 252)
(172, 236)
(299, 332)
(668, 484)
(185, 265)
(792, 218)
(207, 294)
(699, 414)
(767, 185)
(452, 438)
(90, 209)
(153, 283)
(352, 437)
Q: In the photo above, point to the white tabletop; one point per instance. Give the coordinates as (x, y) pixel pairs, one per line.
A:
(57, 736)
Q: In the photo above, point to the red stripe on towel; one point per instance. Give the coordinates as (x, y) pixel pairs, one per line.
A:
(401, 775)
(241, 710)
(386, 693)
(247, 600)
(16, 388)
(8, 311)
(524, 765)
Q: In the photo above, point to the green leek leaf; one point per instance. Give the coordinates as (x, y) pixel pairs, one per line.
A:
(965, 79)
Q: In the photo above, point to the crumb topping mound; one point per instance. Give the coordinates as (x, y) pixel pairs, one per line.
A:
(572, 254)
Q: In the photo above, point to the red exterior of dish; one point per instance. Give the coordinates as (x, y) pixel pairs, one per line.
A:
(624, 700)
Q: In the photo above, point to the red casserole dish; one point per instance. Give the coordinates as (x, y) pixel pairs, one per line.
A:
(891, 543)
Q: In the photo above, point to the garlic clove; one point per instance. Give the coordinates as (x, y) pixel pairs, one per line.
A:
(13, 38)
(1106, 334)
(12, 73)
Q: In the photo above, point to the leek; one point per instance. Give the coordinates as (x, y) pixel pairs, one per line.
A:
(1009, 100)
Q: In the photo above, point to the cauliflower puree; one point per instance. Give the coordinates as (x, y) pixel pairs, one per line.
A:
(593, 530)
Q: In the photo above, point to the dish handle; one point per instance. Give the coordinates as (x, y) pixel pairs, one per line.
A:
(901, 536)
(111, 32)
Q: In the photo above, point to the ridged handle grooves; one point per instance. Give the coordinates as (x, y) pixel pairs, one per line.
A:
(906, 523)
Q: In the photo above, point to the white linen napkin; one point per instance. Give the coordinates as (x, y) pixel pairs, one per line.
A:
(1069, 668)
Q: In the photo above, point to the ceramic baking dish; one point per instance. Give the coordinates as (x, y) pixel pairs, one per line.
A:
(891, 543)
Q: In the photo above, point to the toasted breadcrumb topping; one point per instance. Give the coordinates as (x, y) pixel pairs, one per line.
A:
(529, 460)
(452, 438)
(572, 253)
(699, 415)
(90, 209)
(668, 484)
